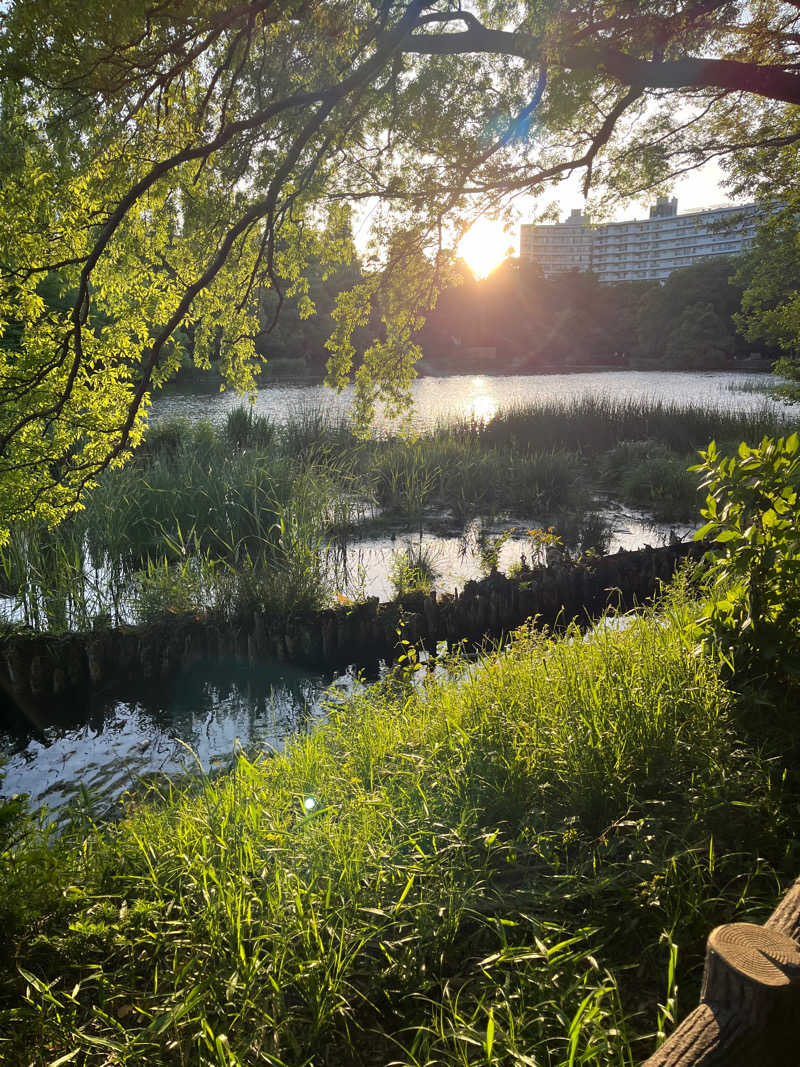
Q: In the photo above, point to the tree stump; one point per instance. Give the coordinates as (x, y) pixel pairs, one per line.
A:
(750, 999)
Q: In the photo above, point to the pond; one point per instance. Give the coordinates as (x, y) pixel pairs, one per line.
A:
(479, 397)
(453, 552)
(364, 569)
(201, 716)
(198, 718)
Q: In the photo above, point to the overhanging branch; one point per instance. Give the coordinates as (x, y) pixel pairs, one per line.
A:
(690, 73)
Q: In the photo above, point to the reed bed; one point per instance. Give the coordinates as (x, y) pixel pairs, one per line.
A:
(500, 864)
(595, 424)
(198, 520)
(225, 518)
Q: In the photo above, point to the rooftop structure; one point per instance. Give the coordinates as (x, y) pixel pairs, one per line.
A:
(643, 249)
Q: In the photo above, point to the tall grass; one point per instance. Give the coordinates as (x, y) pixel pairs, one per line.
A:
(234, 498)
(596, 424)
(461, 474)
(646, 474)
(491, 867)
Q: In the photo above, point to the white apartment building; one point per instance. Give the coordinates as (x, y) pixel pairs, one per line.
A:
(641, 250)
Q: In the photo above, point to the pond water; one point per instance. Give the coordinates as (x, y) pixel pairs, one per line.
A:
(197, 718)
(213, 709)
(479, 397)
(455, 556)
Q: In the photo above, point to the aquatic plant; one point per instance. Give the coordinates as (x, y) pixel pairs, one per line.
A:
(413, 569)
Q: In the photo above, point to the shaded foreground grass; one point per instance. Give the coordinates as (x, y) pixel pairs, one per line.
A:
(488, 867)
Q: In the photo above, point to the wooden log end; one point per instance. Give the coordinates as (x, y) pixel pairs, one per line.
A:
(759, 955)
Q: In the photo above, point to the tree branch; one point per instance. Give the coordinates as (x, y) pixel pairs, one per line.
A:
(692, 73)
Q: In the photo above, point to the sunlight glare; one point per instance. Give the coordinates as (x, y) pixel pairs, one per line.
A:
(481, 407)
(484, 246)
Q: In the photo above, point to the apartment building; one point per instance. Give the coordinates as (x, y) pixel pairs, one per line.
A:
(643, 249)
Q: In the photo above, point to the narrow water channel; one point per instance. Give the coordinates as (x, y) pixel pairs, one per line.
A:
(195, 720)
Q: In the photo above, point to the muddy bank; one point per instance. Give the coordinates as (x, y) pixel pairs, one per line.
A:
(38, 670)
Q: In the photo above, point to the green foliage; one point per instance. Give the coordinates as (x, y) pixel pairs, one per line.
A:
(244, 429)
(647, 474)
(567, 319)
(770, 311)
(176, 199)
(699, 338)
(413, 570)
(689, 320)
(753, 518)
(201, 519)
(790, 369)
(475, 868)
(490, 547)
(165, 588)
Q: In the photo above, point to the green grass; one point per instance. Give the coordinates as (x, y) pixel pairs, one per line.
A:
(647, 475)
(594, 424)
(488, 867)
(200, 518)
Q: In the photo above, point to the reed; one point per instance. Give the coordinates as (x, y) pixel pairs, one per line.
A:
(270, 501)
(595, 424)
(193, 497)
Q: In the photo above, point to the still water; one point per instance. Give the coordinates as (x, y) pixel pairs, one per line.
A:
(201, 717)
(479, 397)
(196, 719)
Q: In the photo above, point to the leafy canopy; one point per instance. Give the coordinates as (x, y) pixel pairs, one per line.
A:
(161, 164)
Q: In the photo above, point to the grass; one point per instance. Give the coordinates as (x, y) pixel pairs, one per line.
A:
(413, 569)
(489, 866)
(595, 424)
(647, 475)
(200, 518)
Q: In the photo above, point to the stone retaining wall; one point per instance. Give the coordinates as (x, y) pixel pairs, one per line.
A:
(36, 669)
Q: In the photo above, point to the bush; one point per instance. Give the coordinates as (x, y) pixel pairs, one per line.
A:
(754, 520)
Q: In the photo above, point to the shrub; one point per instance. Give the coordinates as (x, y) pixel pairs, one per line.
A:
(754, 521)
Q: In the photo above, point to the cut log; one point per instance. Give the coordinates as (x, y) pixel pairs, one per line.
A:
(750, 999)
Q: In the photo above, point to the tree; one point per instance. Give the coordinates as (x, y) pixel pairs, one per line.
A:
(770, 311)
(689, 320)
(167, 160)
(699, 338)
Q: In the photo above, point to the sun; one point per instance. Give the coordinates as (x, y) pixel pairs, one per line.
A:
(484, 246)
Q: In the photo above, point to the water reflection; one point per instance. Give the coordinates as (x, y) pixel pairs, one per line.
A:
(200, 715)
(364, 564)
(482, 407)
(447, 397)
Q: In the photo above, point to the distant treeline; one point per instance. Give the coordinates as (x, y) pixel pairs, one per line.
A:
(516, 319)
(572, 319)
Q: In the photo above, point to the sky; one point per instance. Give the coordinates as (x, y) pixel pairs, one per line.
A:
(698, 189)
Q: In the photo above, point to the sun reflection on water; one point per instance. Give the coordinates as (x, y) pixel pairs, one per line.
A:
(481, 407)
